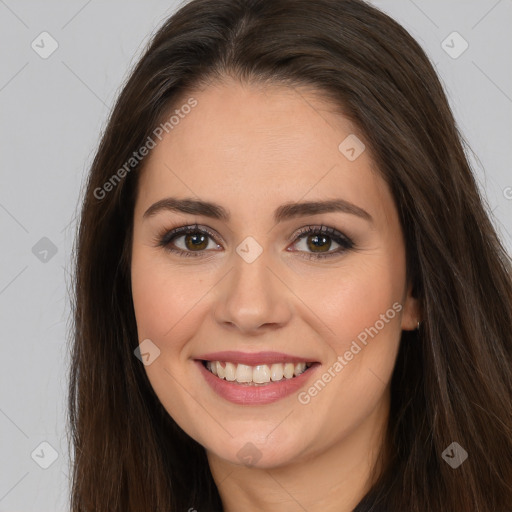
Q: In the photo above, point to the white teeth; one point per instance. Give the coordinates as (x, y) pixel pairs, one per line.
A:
(243, 373)
(230, 371)
(221, 372)
(289, 368)
(260, 374)
(212, 367)
(299, 368)
(276, 371)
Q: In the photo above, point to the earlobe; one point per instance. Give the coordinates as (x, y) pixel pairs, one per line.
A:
(411, 317)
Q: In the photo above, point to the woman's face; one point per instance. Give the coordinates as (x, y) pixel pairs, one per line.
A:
(249, 281)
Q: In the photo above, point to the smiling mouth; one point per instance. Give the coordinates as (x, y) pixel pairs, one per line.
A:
(258, 375)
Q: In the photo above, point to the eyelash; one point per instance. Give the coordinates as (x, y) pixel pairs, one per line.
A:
(165, 238)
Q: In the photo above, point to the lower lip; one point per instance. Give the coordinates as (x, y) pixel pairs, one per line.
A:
(255, 395)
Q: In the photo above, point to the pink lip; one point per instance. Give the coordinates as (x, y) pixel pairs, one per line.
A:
(253, 359)
(255, 395)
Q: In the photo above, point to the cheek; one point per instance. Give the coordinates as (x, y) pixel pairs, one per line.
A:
(361, 305)
(167, 304)
(350, 299)
(165, 300)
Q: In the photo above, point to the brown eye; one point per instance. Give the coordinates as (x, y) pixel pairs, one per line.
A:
(188, 241)
(312, 242)
(196, 241)
(316, 242)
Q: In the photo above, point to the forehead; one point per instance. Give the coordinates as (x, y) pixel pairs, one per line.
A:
(254, 147)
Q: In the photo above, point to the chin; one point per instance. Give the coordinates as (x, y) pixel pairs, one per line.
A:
(246, 450)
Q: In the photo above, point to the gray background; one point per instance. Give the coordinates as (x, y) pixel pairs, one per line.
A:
(52, 114)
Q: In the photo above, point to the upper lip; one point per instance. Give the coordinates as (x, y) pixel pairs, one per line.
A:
(253, 358)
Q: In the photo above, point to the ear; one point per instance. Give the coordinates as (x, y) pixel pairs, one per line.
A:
(411, 312)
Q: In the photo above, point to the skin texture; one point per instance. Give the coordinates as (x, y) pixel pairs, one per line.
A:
(251, 149)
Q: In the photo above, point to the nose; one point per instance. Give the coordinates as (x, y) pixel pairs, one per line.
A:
(253, 298)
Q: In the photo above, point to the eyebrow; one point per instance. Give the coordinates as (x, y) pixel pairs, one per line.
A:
(284, 212)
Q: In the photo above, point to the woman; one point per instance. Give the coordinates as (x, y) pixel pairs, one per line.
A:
(289, 295)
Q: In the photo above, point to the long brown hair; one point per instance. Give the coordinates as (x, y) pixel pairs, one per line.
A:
(453, 379)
